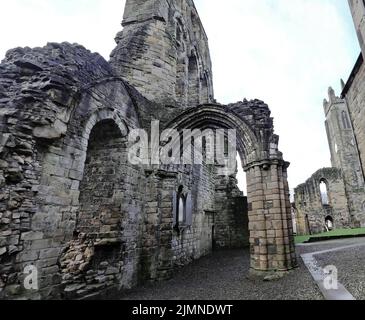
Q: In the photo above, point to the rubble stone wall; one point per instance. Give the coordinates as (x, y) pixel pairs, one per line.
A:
(163, 52)
(88, 220)
(309, 205)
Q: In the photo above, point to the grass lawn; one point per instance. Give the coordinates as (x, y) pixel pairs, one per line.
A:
(334, 233)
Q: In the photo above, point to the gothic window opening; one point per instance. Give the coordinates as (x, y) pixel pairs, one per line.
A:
(180, 87)
(345, 121)
(324, 193)
(181, 64)
(195, 25)
(193, 80)
(182, 209)
(180, 36)
(205, 89)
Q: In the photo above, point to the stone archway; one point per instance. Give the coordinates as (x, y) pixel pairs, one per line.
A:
(269, 210)
(100, 212)
(96, 257)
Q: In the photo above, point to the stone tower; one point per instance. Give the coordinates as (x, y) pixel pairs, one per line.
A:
(358, 13)
(344, 152)
(163, 52)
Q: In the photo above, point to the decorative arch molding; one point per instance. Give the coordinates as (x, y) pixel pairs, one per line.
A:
(252, 146)
(269, 208)
(101, 115)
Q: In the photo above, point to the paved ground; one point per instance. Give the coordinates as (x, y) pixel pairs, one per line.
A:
(223, 276)
(350, 263)
(327, 245)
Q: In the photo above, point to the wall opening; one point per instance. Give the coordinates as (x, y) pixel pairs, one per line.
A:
(241, 176)
(324, 193)
(329, 223)
(100, 214)
(180, 87)
(181, 70)
(205, 89)
(193, 79)
(345, 120)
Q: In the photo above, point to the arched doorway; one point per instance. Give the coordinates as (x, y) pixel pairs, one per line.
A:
(329, 223)
(268, 205)
(100, 213)
(104, 251)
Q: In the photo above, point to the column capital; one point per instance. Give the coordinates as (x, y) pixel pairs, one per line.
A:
(265, 164)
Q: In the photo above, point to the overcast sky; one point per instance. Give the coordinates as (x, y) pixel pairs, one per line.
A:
(285, 52)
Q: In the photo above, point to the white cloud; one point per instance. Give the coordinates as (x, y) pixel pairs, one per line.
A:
(285, 52)
(92, 23)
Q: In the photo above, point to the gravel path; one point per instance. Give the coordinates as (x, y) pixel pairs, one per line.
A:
(223, 276)
(351, 272)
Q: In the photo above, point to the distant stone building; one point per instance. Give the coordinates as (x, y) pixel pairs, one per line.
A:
(341, 202)
(74, 206)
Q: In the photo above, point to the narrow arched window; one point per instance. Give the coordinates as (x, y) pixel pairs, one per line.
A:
(324, 193)
(193, 79)
(345, 120)
(182, 209)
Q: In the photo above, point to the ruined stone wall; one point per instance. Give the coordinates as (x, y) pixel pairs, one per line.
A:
(231, 219)
(164, 247)
(73, 206)
(300, 221)
(309, 205)
(358, 13)
(63, 95)
(163, 52)
(87, 219)
(345, 153)
(196, 241)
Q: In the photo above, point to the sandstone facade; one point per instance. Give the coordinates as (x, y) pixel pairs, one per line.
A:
(312, 213)
(71, 202)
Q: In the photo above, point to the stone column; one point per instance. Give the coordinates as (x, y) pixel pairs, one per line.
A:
(270, 221)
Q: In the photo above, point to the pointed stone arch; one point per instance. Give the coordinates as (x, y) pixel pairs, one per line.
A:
(270, 219)
(193, 80)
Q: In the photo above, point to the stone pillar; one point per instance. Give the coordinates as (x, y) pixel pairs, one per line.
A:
(270, 221)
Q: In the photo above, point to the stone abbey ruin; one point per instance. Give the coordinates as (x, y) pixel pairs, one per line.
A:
(334, 197)
(91, 223)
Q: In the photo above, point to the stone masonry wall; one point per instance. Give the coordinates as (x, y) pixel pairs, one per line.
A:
(61, 93)
(345, 153)
(308, 201)
(89, 221)
(196, 241)
(163, 52)
(358, 13)
(231, 220)
(355, 98)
